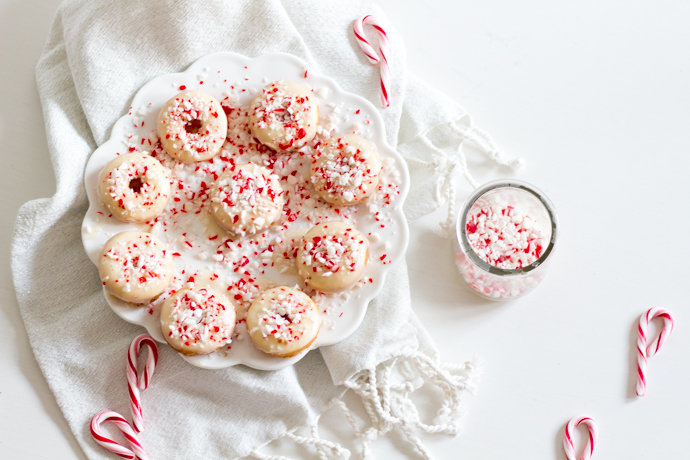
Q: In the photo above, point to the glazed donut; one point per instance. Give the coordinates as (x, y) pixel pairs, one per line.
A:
(197, 321)
(284, 115)
(283, 321)
(332, 256)
(135, 266)
(192, 126)
(345, 170)
(247, 199)
(134, 187)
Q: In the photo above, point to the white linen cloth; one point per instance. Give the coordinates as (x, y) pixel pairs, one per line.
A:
(99, 53)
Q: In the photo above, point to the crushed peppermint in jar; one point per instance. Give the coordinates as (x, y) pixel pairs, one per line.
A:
(505, 237)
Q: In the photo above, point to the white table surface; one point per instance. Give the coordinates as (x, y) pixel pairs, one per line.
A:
(595, 95)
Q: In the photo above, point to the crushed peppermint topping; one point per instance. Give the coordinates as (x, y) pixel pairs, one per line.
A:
(277, 109)
(198, 316)
(139, 262)
(504, 237)
(248, 195)
(282, 318)
(329, 253)
(190, 127)
(132, 185)
(343, 171)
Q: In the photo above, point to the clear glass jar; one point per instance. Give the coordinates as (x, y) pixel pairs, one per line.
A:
(498, 283)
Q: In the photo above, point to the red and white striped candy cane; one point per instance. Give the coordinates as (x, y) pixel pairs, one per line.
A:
(568, 446)
(136, 382)
(644, 351)
(136, 452)
(384, 67)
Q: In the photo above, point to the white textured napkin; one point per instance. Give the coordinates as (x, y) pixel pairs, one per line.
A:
(100, 52)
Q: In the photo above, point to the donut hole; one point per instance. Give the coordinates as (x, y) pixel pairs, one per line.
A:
(192, 126)
(135, 261)
(136, 184)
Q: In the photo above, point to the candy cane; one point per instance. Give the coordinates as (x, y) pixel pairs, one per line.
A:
(568, 439)
(137, 452)
(135, 382)
(371, 55)
(644, 351)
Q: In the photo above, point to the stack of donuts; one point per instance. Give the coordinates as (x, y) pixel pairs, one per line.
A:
(245, 199)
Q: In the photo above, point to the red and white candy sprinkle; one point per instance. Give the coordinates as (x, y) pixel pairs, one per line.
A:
(644, 351)
(504, 237)
(136, 451)
(568, 446)
(140, 382)
(371, 55)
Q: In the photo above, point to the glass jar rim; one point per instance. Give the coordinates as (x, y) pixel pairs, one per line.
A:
(461, 230)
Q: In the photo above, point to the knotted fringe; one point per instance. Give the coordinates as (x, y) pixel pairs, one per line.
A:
(389, 406)
(322, 446)
(449, 165)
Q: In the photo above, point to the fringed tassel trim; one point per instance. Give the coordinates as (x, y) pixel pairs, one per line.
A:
(389, 406)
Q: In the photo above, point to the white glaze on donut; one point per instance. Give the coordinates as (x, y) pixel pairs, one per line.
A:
(345, 170)
(247, 199)
(197, 321)
(192, 126)
(283, 321)
(135, 266)
(332, 257)
(134, 187)
(284, 115)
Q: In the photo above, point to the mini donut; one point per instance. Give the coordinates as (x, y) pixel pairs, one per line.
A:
(345, 170)
(134, 187)
(284, 115)
(192, 126)
(197, 321)
(135, 266)
(332, 256)
(283, 321)
(247, 199)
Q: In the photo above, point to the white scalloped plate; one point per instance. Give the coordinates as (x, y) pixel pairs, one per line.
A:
(219, 72)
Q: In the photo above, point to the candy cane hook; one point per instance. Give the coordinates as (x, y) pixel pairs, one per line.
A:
(644, 351)
(568, 446)
(136, 452)
(136, 382)
(370, 53)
